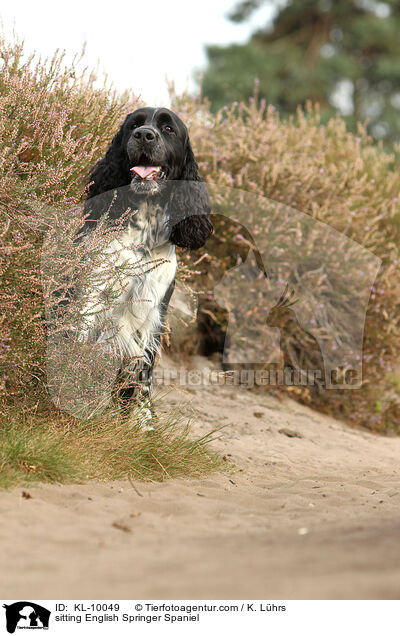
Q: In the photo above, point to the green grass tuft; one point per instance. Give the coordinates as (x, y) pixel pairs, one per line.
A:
(35, 453)
(36, 449)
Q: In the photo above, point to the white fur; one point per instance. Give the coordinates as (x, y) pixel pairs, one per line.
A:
(138, 268)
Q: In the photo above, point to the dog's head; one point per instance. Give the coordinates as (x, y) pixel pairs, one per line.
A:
(151, 153)
(156, 144)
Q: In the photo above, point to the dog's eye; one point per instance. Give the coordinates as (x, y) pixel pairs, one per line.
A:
(168, 129)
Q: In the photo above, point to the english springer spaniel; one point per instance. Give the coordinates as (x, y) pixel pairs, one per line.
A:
(150, 169)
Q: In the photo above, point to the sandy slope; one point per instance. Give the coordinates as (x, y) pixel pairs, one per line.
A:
(314, 516)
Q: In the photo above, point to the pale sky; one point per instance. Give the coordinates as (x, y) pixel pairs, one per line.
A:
(138, 44)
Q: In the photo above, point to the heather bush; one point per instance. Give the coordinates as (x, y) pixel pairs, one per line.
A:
(341, 179)
(54, 125)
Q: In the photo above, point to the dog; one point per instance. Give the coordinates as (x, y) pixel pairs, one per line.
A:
(150, 169)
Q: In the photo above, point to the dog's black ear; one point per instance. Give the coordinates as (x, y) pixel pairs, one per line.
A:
(190, 169)
(189, 206)
(112, 171)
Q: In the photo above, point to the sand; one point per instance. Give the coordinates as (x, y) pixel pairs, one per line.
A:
(312, 516)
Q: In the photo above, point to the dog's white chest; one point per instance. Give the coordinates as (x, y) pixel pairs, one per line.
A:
(137, 275)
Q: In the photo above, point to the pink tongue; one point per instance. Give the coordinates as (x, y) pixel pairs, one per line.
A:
(144, 171)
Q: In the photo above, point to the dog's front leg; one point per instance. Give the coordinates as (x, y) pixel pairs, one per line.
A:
(136, 384)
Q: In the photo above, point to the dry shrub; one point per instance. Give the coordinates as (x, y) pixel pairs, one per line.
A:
(54, 125)
(338, 178)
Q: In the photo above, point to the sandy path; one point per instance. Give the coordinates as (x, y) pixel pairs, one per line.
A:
(316, 516)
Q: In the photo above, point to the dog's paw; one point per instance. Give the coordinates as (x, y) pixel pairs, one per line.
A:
(142, 417)
(146, 419)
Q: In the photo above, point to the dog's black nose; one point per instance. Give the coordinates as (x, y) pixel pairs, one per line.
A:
(145, 134)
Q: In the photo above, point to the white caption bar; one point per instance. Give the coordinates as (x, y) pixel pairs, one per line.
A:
(155, 617)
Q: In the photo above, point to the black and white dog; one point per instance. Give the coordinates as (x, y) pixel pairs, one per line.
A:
(149, 168)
